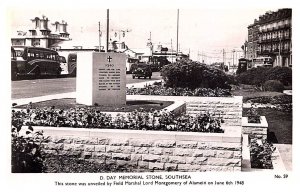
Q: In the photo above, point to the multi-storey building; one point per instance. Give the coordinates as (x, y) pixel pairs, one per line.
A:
(40, 35)
(271, 36)
(252, 44)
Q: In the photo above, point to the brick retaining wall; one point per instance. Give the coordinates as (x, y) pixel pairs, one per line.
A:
(149, 150)
(228, 108)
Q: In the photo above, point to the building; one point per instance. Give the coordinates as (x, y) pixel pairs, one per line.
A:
(271, 36)
(40, 34)
(252, 44)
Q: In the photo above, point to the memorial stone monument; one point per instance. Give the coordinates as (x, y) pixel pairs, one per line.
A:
(101, 78)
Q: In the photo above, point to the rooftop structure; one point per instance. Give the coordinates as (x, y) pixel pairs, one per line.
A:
(39, 34)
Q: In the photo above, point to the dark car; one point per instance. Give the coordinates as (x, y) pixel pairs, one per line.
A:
(142, 70)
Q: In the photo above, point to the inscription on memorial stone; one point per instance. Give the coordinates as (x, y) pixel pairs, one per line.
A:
(109, 78)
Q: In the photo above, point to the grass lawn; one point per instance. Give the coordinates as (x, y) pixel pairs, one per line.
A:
(68, 103)
(280, 124)
(249, 93)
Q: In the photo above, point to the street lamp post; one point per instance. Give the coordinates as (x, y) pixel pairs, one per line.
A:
(100, 34)
(171, 51)
(233, 59)
(122, 31)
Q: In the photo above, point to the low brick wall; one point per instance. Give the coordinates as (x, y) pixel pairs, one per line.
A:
(146, 151)
(255, 130)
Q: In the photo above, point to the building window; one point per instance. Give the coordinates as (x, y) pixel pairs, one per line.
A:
(286, 46)
(35, 42)
(37, 23)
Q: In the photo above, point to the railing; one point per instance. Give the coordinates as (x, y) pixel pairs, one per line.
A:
(285, 50)
(264, 52)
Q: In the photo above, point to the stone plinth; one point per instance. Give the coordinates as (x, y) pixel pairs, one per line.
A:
(255, 130)
(101, 78)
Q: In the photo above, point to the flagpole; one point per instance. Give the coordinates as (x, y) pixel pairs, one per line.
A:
(107, 30)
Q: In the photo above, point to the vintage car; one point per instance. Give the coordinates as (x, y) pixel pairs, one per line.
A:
(142, 70)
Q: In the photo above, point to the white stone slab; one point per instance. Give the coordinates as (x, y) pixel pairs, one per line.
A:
(263, 122)
(101, 78)
(288, 92)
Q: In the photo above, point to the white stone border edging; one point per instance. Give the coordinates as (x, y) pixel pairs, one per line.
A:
(232, 134)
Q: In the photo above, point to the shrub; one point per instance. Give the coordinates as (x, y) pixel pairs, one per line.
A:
(257, 76)
(253, 116)
(282, 74)
(273, 85)
(253, 76)
(160, 89)
(27, 155)
(232, 79)
(190, 74)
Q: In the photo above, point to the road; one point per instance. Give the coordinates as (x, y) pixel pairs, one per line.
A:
(41, 87)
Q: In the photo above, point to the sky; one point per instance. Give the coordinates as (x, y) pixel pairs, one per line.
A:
(203, 32)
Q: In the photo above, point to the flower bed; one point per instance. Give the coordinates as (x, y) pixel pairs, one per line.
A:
(282, 103)
(160, 89)
(283, 99)
(253, 116)
(68, 103)
(260, 154)
(138, 120)
(27, 153)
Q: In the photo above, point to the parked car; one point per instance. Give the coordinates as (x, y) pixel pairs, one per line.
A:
(142, 70)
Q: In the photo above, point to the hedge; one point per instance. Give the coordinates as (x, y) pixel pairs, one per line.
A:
(258, 76)
(189, 74)
(273, 85)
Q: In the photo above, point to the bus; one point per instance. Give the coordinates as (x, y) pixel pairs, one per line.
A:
(13, 60)
(242, 65)
(263, 61)
(71, 60)
(72, 64)
(35, 61)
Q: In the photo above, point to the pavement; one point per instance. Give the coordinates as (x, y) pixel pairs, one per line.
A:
(285, 151)
(24, 101)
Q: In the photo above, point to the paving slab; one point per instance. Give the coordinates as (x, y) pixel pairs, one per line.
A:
(285, 151)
